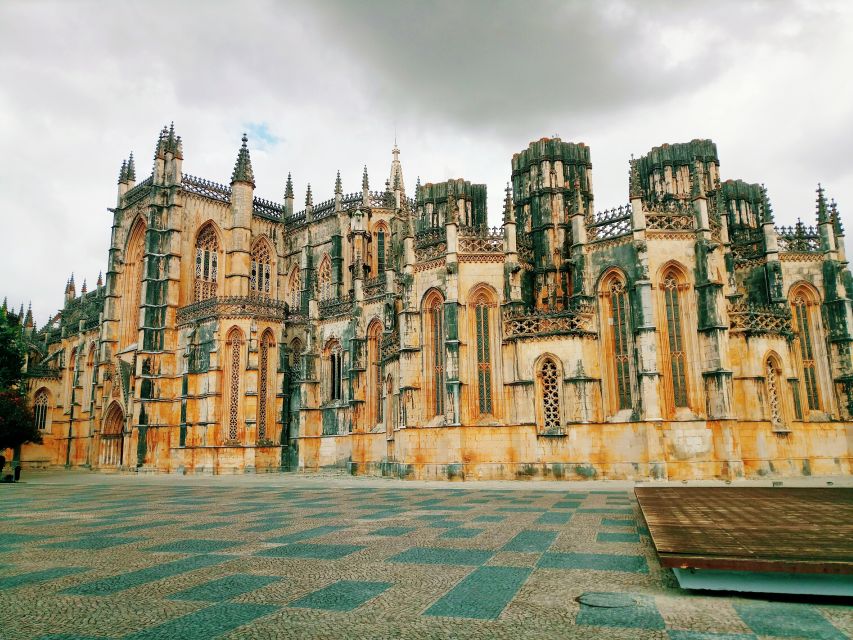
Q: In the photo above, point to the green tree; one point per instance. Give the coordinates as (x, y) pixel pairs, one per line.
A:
(17, 426)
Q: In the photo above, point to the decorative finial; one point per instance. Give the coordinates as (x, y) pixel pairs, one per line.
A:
(243, 166)
(131, 168)
(28, 322)
(100, 282)
(365, 184)
(122, 173)
(338, 187)
(835, 217)
(821, 205)
(509, 213)
(84, 289)
(309, 199)
(288, 188)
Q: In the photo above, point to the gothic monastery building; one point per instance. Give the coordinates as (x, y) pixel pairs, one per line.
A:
(392, 332)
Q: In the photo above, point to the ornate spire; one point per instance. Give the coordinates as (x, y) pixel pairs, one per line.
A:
(635, 188)
(509, 211)
(122, 173)
(100, 282)
(417, 189)
(21, 313)
(821, 205)
(365, 183)
(28, 322)
(243, 166)
(309, 198)
(168, 142)
(84, 289)
(835, 217)
(766, 209)
(288, 187)
(338, 187)
(131, 168)
(396, 178)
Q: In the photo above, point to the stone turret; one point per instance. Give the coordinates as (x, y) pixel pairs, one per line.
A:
(237, 275)
(365, 188)
(168, 158)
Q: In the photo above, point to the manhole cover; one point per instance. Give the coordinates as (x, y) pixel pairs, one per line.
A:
(607, 600)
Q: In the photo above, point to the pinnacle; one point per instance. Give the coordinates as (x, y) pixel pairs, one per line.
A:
(122, 174)
(338, 186)
(821, 204)
(309, 198)
(100, 282)
(243, 167)
(288, 189)
(131, 168)
(365, 183)
(84, 289)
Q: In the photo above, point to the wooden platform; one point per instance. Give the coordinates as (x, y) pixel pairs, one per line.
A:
(751, 529)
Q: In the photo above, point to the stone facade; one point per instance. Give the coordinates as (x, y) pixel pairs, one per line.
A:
(680, 335)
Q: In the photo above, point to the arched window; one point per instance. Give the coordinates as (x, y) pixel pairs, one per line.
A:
(324, 278)
(294, 287)
(131, 284)
(295, 351)
(233, 345)
(433, 318)
(333, 357)
(805, 308)
(206, 263)
(112, 437)
(40, 406)
(617, 332)
(261, 268)
(549, 395)
(482, 304)
(72, 376)
(389, 408)
(671, 286)
(380, 236)
(374, 374)
(266, 382)
(90, 379)
(773, 382)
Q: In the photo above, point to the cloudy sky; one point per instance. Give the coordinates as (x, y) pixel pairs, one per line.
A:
(321, 86)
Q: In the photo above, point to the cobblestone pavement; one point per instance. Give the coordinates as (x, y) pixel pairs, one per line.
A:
(145, 557)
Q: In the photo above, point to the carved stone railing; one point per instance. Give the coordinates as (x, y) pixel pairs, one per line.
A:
(138, 192)
(390, 345)
(335, 307)
(754, 319)
(382, 199)
(206, 188)
(747, 243)
(798, 239)
(481, 240)
(233, 307)
(578, 319)
(609, 224)
(429, 236)
(267, 209)
(672, 215)
(40, 371)
(374, 287)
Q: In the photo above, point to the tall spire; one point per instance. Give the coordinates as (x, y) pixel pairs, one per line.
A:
(28, 322)
(84, 289)
(243, 166)
(131, 168)
(835, 217)
(338, 186)
(396, 178)
(309, 198)
(100, 282)
(417, 189)
(365, 183)
(122, 173)
(509, 212)
(288, 187)
(821, 205)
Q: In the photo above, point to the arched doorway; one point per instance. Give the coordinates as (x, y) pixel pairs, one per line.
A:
(112, 438)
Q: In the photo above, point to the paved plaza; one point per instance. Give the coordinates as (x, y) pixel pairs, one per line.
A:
(288, 556)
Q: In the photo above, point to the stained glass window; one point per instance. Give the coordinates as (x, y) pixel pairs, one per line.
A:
(805, 332)
(380, 252)
(260, 280)
(484, 356)
(206, 264)
(675, 340)
(267, 344)
(621, 349)
(434, 351)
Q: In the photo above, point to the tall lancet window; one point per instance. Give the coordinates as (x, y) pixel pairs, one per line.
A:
(675, 338)
(233, 348)
(482, 322)
(617, 334)
(433, 319)
(374, 374)
(206, 264)
(266, 382)
(261, 268)
(807, 325)
(40, 404)
(324, 278)
(549, 383)
(773, 380)
(294, 288)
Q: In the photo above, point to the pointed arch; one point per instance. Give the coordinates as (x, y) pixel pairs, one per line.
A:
(381, 239)
(324, 278)
(261, 282)
(549, 392)
(333, 371)
(294, 289)
(111, 452)
(89, 390)
(374, 411)
(810, 349)
(773, 388)
(207, 259)
(234, 370)
(483, 311)
(266, 386)
(673, 284)
(388, 402)
(615, 311)
(432, 316)
(41, 409)
(131, 283)
(295, 351)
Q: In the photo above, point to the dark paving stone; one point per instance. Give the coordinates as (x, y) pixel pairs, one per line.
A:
(555, 517)
(430, 555)
(595, 561)
(618, 522)
(316, 551)
(192, 546)
(699, 635)
(207, 623)
(482, 594)
(394, 531)
(225, 588)
(22, 579)
(461, 532)
(92, 542)
(305, 534)
(787, 620)
(617, 536)
(531, 541)
(345, 595)
(113, 584)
